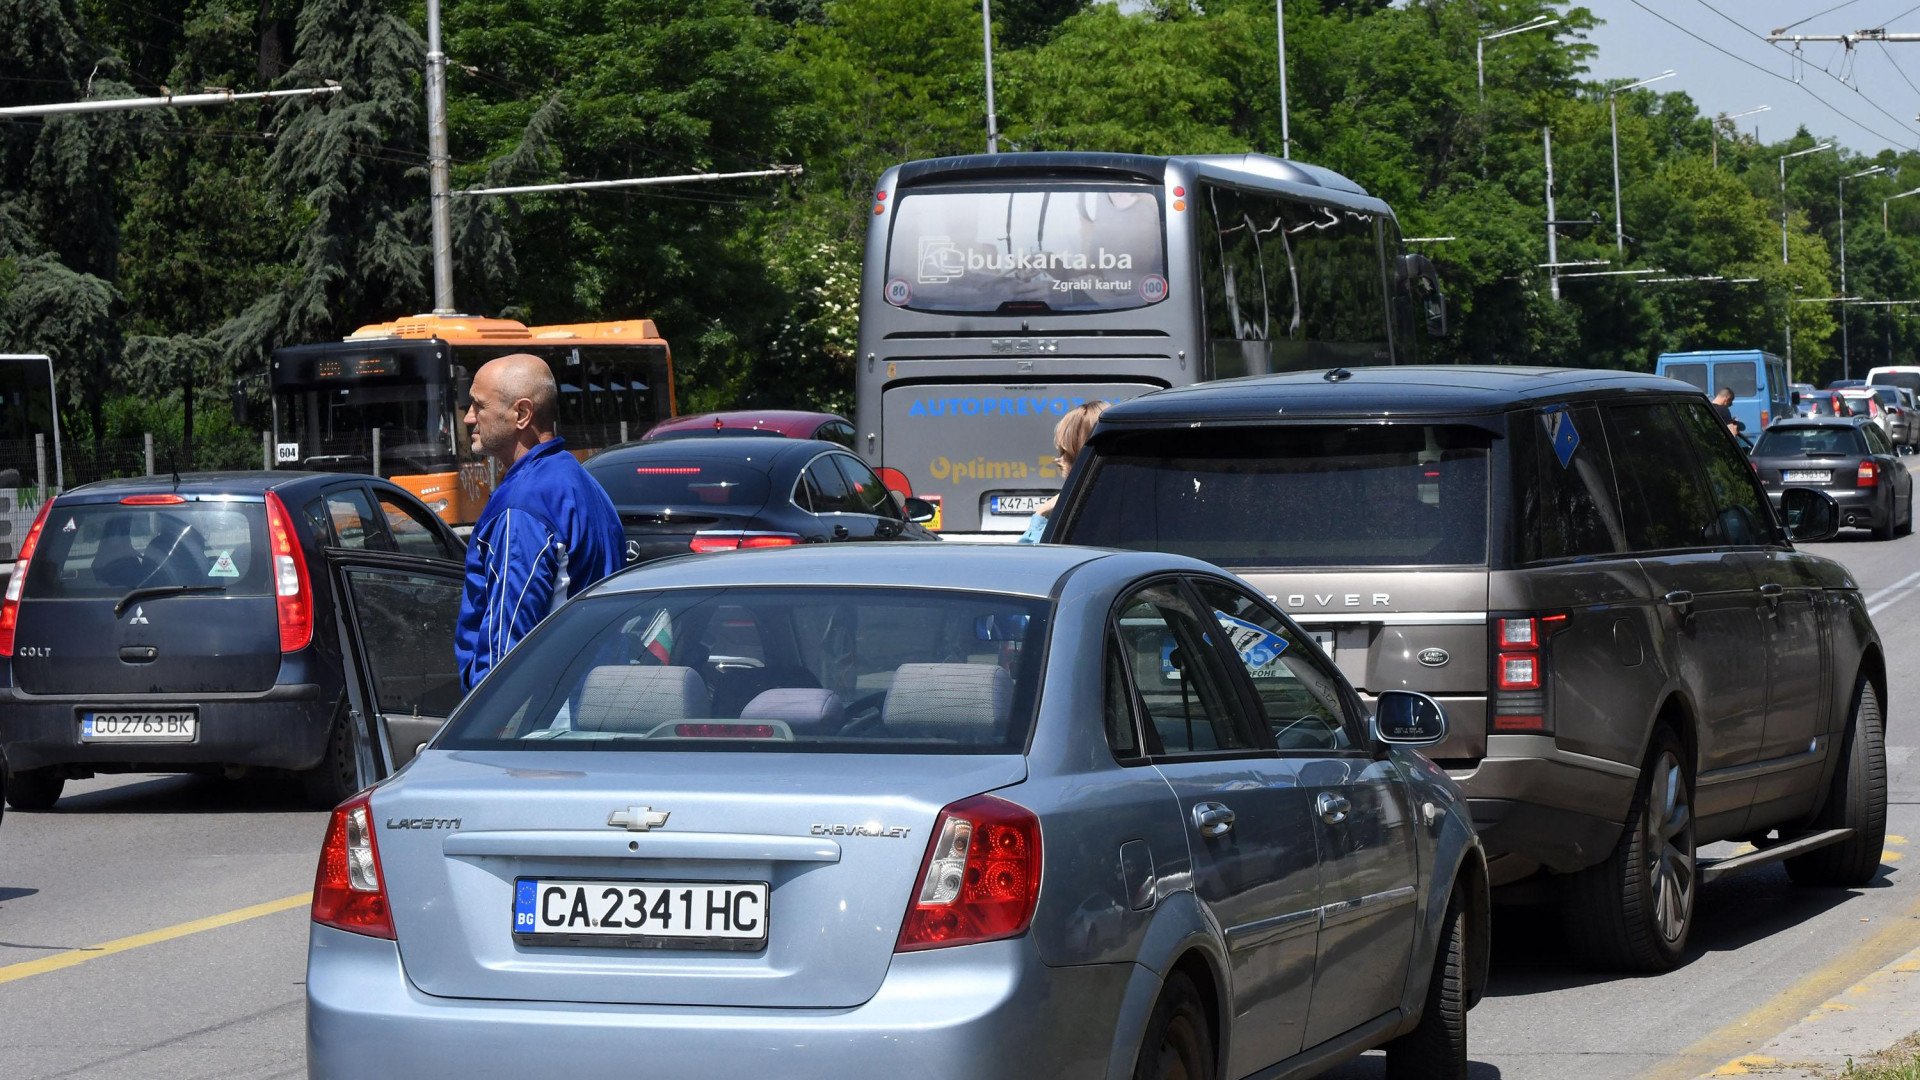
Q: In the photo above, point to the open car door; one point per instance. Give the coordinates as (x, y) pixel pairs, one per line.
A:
(396, 616)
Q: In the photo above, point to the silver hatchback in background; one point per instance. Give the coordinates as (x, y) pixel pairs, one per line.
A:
(942, 813)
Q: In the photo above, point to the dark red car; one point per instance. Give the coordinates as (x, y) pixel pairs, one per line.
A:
(791, 423)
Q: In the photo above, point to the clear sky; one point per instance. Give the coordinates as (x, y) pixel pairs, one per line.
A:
(1867, 101)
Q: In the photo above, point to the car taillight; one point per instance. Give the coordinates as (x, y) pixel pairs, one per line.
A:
(292, 592)
(1867, 476)
(349, 892)
(10, 608)
(728, 540)
(980, 880)
(1519, 701)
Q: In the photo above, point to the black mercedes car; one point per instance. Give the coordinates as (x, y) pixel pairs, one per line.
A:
(1849, 458)
(723, 494)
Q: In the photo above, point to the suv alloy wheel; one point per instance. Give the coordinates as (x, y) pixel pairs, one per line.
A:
(1632, 912)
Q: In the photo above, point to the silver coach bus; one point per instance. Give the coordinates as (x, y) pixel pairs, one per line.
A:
(1000, 291)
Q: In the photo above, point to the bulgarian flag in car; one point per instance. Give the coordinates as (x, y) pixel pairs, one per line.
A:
(658, 639)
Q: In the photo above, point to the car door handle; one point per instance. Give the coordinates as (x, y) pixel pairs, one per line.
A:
(1773, 592)
(1212, 818)
(839, 532)
(1333, 808)
(1680, 600)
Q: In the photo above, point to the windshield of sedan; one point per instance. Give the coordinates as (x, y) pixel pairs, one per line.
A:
(768, 669)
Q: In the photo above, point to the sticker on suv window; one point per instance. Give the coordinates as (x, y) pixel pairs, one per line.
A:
(1258, 646)
(223, 566)
(1560, 430)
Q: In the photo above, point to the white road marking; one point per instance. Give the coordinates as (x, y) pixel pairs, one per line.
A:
(1905, 582)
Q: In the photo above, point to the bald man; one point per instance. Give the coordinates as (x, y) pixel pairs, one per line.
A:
(549, 530)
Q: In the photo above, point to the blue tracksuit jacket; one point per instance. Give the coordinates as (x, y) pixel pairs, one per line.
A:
(548, 532)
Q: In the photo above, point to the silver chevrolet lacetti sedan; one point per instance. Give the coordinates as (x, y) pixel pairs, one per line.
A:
(986, 812)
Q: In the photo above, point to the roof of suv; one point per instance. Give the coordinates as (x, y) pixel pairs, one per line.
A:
(1382, 392)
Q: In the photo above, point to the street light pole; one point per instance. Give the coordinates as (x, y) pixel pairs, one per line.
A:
(1846, 364)
(1553, 244)
(1540, 22)
(1783, 192)
(1884, 227)
(1613, 113)
(1724, 118)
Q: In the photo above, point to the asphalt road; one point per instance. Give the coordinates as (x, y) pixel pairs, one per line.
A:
(194, 887)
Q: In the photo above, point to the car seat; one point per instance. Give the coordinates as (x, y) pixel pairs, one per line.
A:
(635, 698)
(968, 703)
(115, 562)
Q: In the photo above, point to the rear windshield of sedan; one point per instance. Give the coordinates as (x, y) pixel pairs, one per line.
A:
(1810, 442)
(768, 669)
(687, 483)
(1348, 495)
(109, 549)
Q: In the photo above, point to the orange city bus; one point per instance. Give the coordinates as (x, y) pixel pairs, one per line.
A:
(391, 398)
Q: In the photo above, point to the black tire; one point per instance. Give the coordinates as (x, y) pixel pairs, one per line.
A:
(1857, 801)
(1179, 1042)
(34, 789)
(1633, 911)
(337, 777)
(1437, 1048)
(1886, 530)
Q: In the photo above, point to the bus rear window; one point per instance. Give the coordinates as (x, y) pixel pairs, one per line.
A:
(1072, 249)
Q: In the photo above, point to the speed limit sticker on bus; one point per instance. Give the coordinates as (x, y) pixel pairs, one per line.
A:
(899, 291)
(1153, 288)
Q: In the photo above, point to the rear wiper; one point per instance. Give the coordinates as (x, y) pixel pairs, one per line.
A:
(149, 592)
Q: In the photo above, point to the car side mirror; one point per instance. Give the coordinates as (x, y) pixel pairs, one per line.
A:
(1402, 718)
(919, 510)
(1809, 515)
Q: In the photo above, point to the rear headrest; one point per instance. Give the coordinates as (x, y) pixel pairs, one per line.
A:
(623, 697)
(803, 709)
(966, 702)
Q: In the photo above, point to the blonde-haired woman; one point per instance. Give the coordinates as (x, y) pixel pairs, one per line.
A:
(1069, 436)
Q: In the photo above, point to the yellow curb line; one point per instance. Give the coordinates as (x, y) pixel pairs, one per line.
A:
(1795, 1003)
(29, 968)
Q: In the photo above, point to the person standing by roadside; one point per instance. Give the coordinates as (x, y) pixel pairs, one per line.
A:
(549, 530)
(1723, 408)
(1069, 436)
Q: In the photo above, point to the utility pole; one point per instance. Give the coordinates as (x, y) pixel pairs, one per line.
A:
(1280, 23)
(986, 45)
(1613, 114)
(1553, 243)
(439, 201)
(1783, 192)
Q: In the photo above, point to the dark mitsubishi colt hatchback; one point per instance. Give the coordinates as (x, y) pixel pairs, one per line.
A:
(1582, 567)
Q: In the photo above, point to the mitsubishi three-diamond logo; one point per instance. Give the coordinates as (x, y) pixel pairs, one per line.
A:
(637, 818)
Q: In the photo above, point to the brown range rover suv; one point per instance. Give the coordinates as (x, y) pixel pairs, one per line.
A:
(1581, 567)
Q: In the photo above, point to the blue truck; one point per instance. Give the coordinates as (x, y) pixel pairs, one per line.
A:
(1757, 378)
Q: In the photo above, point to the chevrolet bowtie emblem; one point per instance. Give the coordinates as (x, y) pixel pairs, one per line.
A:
(637, 818)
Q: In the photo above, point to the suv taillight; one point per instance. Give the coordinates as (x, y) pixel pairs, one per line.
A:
(1519, 678)
(348, 891)
(292, 593)
(1867, 476)
(980, 880)
(10, 608)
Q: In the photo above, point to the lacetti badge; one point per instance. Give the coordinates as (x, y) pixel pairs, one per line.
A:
(1434, 657)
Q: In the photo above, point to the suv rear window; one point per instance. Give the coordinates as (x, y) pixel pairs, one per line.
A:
(666, 482)
(768, 670)
(1908, 379)
(1319, 495)
(94, 550)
